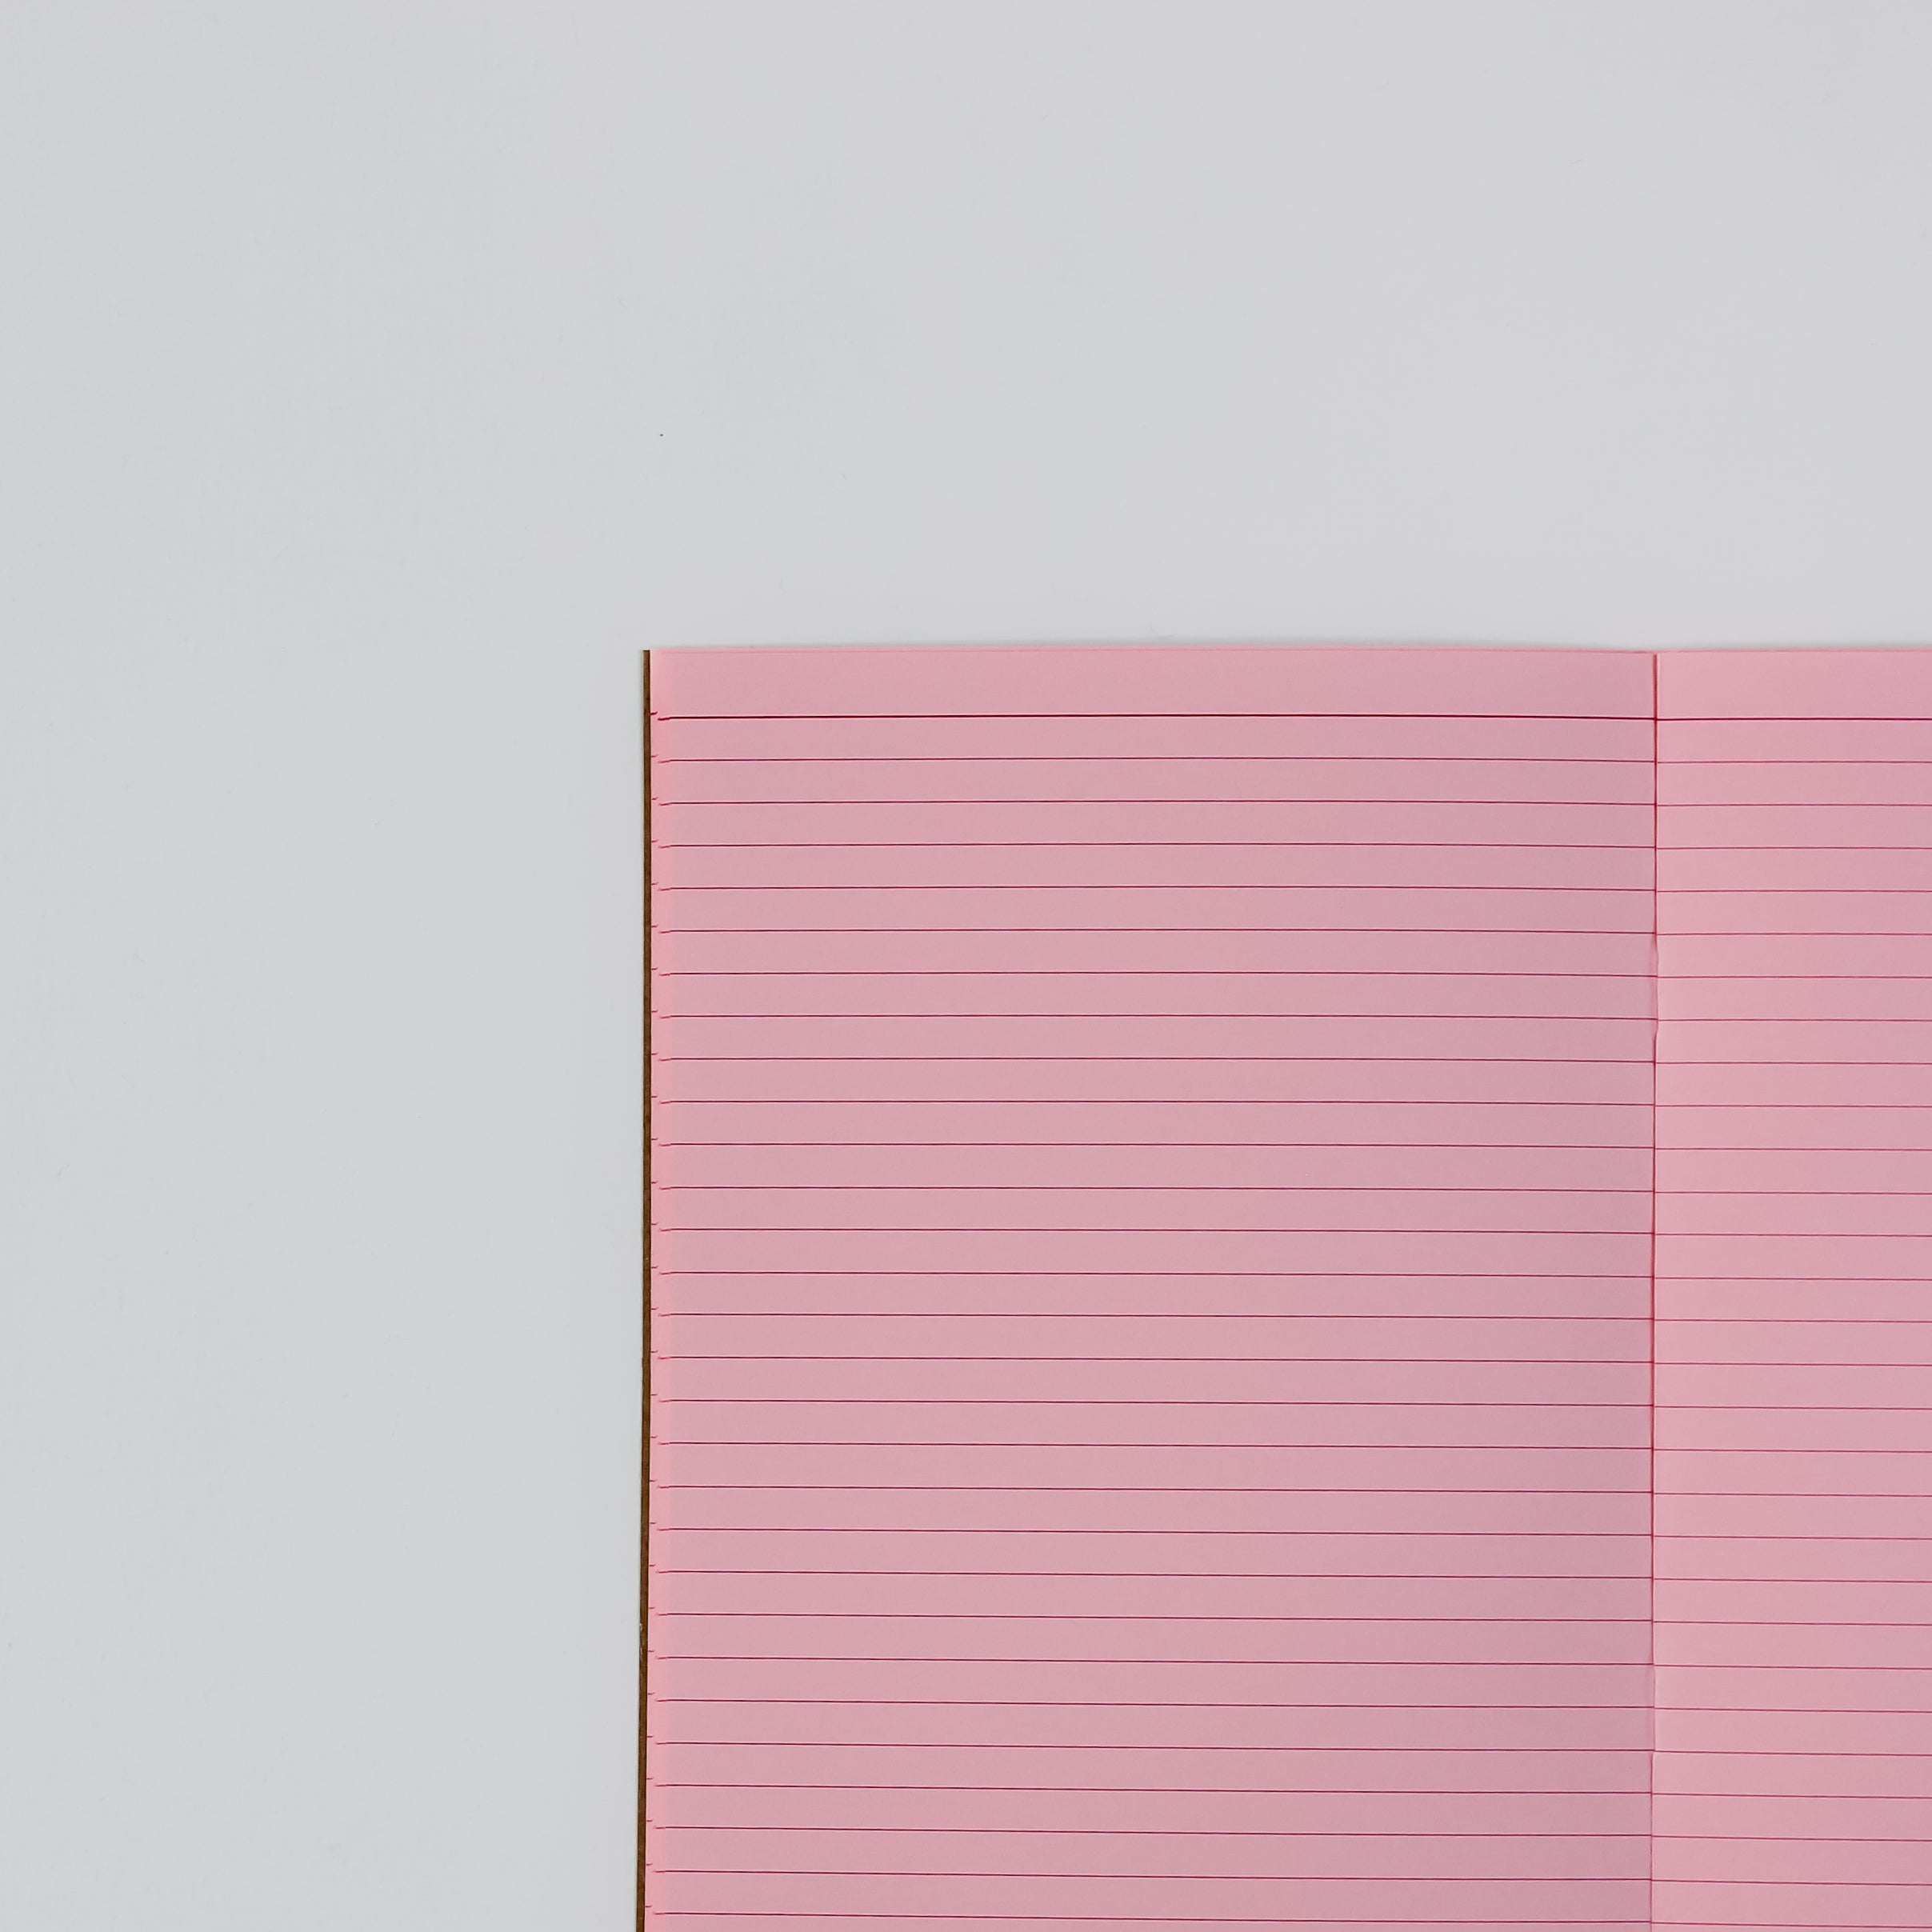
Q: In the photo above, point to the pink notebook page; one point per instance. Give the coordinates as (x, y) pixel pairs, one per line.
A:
(1151, 1229)
(1793, 1331)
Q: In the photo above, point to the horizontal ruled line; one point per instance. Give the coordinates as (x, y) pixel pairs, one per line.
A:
(1112, 1617)
(1795, 1408)
(1242, 885)
(1159, 972)
(742, 1529)
(1101, 1401)
(1173, 1703)
(1240, 1664)
(1680, 933)
(1738, 850)
(1180, 1576)
(1704, 1751)
(1813, 1575)
(1214, 1059)
(1893, 1885)
(729, 1871)
(1184, 1790)
(1178, 1187)
(1221, 845)
(1779, 1623)
(1209, 758)
(1167, 1919)
(1299, 1750)
(1682, 718)
(1083, 1146)
(1732, 1019)
(1661, 1925)
(1159, 1831)
(1845, 1282)
(1719, 1536)
(1539, 1449)
(1125, 1489)
(1159, 804)
(1169, 717)
(1513, 1362)
(1402, 932)
(1668, 1194)
(1205, 1274)
(1863, 1669)
(1176, 1314)
(1677, 1278)
(1784, 1452)
(1828, 1368)
(1210, 1663)
(1603, 1019)
(1678, 1106)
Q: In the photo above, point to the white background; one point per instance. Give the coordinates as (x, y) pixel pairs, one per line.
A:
(377, 377)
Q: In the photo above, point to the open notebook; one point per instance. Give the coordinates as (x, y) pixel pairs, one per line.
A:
(1291, 1287)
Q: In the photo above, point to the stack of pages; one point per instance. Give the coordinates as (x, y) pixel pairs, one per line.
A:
(1290, 1287)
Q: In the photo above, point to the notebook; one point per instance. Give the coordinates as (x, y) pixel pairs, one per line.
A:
(1285, 1289)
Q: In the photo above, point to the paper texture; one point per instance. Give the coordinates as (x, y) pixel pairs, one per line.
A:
(1794, 1550)
(1154, 1164)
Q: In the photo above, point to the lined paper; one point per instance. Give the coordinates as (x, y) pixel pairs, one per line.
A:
(1151, 1237)
(1793, 1476)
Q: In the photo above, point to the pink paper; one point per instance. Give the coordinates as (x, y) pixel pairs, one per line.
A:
(1152, 1270)
(1291, 1287)
(1794, 1550)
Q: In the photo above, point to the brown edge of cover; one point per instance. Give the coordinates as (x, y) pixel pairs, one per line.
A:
(644, 1469)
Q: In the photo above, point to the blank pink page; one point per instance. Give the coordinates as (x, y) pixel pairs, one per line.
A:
(1151, 1226)
(1794, 1245)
